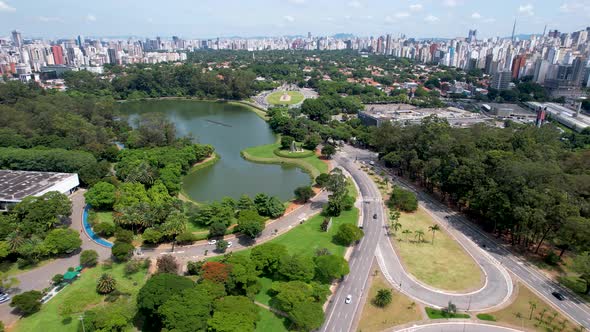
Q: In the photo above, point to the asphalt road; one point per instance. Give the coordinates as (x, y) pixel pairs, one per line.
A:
(340, 315)
(529, 274)
(456, 327)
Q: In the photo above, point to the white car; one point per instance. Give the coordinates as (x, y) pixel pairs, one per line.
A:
(229, 244)
(348, 299)
(212, 241)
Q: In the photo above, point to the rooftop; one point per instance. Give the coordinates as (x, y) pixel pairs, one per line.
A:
(16, 185)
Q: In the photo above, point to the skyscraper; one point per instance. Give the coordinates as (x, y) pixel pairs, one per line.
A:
(501, 80)
(472, 37)
(58, 55)
(17, 39)
(518, 63)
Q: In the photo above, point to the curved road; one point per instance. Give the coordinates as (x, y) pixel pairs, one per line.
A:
(456, 327)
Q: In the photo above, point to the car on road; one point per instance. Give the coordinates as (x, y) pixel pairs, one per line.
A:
(4, 298)
(212, 241)
(229, 244)
(348, 299)
(375, 216)
(372, 163)
(558, 295)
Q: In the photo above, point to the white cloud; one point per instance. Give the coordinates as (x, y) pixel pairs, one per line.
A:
(575, 7)
(450, 3)
(526, 9)
(289, 18)
(90, 18)
(416, 7)
(355, 4)
(402, 15)
(48, 19)
(297, 2)
(476, 15)
(4, 7)
(431, 18)
(489, 20)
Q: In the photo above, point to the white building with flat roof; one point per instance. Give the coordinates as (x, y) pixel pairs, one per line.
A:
(16, 185)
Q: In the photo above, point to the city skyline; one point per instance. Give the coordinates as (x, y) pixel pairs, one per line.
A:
(449, 18)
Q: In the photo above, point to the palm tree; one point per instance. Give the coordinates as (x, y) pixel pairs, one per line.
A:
(406, 232)
(419, 234)
(533, 306)
(434, 228)
(106, 284)
(396, 226)
(383, 298)
(15, 240)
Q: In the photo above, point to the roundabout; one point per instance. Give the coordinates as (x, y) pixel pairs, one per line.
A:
(285, 98)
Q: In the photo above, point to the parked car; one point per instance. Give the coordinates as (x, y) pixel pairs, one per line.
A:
(348, 299)
(229, 244)
(375, 216)
(558, 295)
(4, 298)
(212, 241)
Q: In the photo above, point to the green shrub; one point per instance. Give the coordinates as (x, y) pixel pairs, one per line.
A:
(552, 258)
(186, 238)
(487, 317)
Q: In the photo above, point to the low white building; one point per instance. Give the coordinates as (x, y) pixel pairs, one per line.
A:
(16, 185)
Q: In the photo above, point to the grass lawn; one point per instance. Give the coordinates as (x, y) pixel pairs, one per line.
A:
(544, 317)
(401, 310)
(270, 322)
(106, 216)
(265, 154)
(275, 98)
(262, 296)
(61, 313)
(444, 264)
(439, 314)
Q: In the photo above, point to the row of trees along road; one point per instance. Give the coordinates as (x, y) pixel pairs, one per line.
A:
(529, 185)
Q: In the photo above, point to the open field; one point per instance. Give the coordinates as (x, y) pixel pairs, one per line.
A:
(275, 98)
(270, 322)
(402, 309)
(61, 313)
(543, 318)
(265, 154)
(444, 264)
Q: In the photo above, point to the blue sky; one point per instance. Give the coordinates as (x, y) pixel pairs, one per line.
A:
(208, 18)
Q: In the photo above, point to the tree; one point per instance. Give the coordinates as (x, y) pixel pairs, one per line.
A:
(190, 309)
(407, 232)
(250, 223)
(275, 207)
(307, 316)
(348, 234)
(403, 200)
(312, 141)
(328, 151)
(28, 302)
(286, 142)
(234, 313)
(322, 180)
(158, 289)
(101, 196)
(122, 251)
(105, 284)
(217, 229)
(261, 202)
(152, 235)
(245, 203)
(304, 194)
(215, 271)
(297, 267)
(221, 245)
(581, 265)
(267, 257)
(167, 264)
(330, 267)
(88, 258)
(532, 306)
(434, 228)
(62, 241)
(419, 235)
(383, 298)
(174, 224)
(57, 279)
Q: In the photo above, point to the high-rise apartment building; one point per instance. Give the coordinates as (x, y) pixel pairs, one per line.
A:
(17, 39)
(58, 55)
(501, 80)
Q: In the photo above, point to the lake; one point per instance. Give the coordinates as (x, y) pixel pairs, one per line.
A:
(230, 129)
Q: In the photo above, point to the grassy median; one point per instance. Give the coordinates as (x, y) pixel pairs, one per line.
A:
(538, 317)
(442, 264)
(402, 309)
